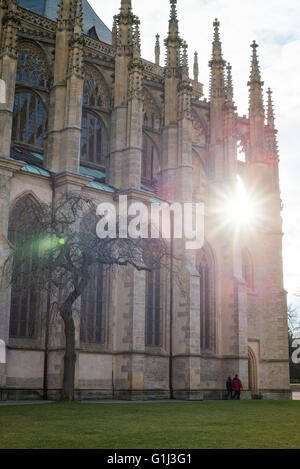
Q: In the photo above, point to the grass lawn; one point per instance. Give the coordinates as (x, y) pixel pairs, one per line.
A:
(224, 424)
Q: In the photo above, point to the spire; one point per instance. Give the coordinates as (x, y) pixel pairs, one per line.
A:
(173, 22)
(196, 67)
(271, 131)
(217, 65)
(114, 32)
(184, 58)
(173, 13)
(217, 45)
(9, 4)
(70, 16)
(78, 16)
(62, 15)
(157, 49)
(173, 41)
(271, 116)
(229, 85)
(256, 85)
(136, 38)
(10, 26)
(125, 6)
(229, 107)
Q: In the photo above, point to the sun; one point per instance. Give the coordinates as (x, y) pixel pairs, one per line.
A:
(240, 209)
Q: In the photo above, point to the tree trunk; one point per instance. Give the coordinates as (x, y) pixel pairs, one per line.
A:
(69, 358)
(70, 354)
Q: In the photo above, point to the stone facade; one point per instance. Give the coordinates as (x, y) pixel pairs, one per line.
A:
(159, 139)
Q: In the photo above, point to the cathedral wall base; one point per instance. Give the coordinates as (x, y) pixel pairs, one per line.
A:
(10, 394)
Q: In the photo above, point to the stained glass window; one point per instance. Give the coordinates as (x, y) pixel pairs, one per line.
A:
(153, 309)
(29, 120)
(25, 300)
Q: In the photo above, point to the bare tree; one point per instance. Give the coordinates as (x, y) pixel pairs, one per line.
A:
(293, 321)
(294, 332)
(61, 244)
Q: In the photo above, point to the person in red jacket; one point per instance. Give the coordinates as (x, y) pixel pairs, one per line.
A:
(237, 386)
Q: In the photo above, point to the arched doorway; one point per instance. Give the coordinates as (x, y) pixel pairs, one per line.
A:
(252, 372)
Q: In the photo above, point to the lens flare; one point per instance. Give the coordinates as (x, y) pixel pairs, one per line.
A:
(240, 210)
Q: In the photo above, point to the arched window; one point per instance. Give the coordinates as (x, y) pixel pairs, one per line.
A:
(150, 163)
(32, 68)
(94, 90)
(153, 308)
(92, 319)
(247, 269)
(92, 329)
(152, 112)
(207, 306)
(32, 86)
(30, 119)
(93, 139)
(199, 136)
(25, 300)
(146, 122)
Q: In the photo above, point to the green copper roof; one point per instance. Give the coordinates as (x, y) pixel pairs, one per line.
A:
(100, 186)
(35, 170)
(91, 172)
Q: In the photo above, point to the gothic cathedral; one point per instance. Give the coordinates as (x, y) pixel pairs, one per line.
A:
(82, 110)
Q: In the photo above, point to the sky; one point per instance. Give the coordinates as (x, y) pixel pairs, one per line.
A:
(274, 24)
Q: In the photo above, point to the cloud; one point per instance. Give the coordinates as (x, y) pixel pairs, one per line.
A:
(274, 24)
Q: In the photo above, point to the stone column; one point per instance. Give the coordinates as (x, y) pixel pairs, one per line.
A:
(129, 333)
(8, 67)
(62, 152)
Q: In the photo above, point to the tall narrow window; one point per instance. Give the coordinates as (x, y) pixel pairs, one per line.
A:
(94, 141)
(25, 300)
(92, 144)
(92, 321)
(92, 328)
(153, 309)
(207, 316)
(150, 163)
(30, 119)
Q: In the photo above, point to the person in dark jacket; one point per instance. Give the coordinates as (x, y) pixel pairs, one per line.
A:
(237, 386)
(229, 387)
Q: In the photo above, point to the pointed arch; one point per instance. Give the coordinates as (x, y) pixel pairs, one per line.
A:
(252, 371)
(33, 67)
(25, 300)
(151, 110)
(93, 317)
(206, 268)
(30, 119)
(95, 90)
(200, 129)
(150, 160)
(94, 138)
